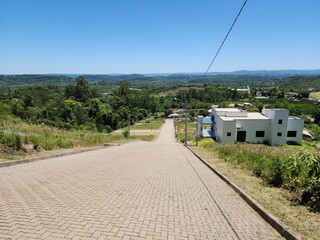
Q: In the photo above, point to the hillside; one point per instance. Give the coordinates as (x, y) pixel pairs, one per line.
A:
(33, 79)
(239, 79)
(301, 83)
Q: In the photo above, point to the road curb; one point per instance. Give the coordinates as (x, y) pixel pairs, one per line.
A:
(265, 214)
(29, 160)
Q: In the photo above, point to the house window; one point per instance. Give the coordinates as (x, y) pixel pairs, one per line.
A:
(228, 134)
(259, 133)
(280, 121)
(279, 134)
(292, 134)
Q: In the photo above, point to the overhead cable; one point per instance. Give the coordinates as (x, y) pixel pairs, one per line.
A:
(234, 22)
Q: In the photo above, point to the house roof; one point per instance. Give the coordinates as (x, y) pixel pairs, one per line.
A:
(207, 120)
(227, 110)
(231, 114)
(250, 116)
(207, 133)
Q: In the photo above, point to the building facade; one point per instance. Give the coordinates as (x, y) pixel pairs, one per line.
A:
(272, 126)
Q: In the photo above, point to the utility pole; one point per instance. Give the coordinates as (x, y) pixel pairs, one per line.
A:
(129, 115)
(186, 120)
(175, 126)
(197, 132)
(186, 125)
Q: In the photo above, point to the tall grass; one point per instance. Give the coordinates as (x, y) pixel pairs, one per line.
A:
(15, 135)
(191, 134)
(298, 171)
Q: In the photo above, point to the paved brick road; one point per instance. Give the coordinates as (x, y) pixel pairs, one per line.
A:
(142, 190)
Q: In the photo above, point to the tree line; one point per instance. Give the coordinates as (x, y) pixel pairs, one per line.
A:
(80, 105)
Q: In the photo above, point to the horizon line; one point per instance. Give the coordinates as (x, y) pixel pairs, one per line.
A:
(165, 73)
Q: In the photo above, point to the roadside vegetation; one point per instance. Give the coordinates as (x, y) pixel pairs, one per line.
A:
(292, 169)
(19, 140)
(283, 202)
(35, 119)
(148, 124)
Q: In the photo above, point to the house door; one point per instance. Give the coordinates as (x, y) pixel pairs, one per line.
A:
(241, 136)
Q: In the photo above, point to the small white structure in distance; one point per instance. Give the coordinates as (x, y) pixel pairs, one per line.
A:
(272, 126)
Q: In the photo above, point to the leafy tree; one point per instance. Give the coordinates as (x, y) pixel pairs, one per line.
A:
(17, 108)
(28, 101)
(316, 116)
(123, 95)
(81, 91)
(94, 108)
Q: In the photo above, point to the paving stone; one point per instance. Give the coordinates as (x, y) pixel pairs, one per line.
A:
(140, 190)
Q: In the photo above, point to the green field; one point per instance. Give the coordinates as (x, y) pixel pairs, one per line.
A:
(154, 124)
(315, 95)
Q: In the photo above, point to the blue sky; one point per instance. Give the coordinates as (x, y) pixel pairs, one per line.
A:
(156, 36)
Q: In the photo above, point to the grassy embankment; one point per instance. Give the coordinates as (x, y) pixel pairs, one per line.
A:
(19, 140)
(279, 178)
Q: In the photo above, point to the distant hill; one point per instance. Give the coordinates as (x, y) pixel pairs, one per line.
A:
(301, 79)
(271, 73)
(34, 79)
(300, 83)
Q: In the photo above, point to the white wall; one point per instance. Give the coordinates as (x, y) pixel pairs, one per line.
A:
(275, 115)
(253, 125)
(199, 125)
(228, 127)
(218, 128)
(295, 124)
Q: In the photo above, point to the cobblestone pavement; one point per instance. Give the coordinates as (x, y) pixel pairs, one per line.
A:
(141, 190)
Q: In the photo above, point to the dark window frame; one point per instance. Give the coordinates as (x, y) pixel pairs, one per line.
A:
(228, 134)
(292, 134)
(280, 121)
(260, 133)
(279, 134)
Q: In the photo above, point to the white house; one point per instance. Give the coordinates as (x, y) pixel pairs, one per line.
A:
(272, 126)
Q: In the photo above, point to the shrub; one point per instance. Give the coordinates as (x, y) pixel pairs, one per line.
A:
(17, 142)
(34, 139)
(1, 135)
(11, 140)
(61, 142)
(258, 166)
(125, 133)
(300, 173)
(272, 172)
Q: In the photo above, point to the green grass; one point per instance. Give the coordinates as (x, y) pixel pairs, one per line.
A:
(181, 131)
(315, 95)
(148, 125)
(19, 140)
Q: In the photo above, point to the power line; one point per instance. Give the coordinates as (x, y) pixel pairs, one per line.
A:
(234, 22)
